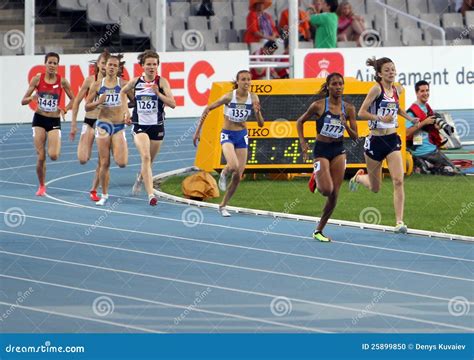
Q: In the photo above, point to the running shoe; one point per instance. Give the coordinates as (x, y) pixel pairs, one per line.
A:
(223, 211)
(312, 183)
(41, 191)
(152, 200)
(318, 235)
(93, 195)
(103, 200)
(137, 187)
(400, 228)
(223, 181)
(353, 184)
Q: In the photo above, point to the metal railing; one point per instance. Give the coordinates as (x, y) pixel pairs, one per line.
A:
(269, 62)
(414, 18)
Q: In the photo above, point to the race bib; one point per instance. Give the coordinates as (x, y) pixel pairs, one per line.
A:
(112, 99)
(48, 103)
(240, 113)
(332, 128)
(147, 105)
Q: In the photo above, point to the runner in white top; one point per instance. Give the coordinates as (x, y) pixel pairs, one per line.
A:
(239, 104)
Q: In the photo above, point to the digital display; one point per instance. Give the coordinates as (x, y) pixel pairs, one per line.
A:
(287, 151)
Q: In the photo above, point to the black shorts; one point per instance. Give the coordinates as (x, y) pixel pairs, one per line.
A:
(328, 150)
(154, 132)
(90, 121)
(378, 147)
(46, 123)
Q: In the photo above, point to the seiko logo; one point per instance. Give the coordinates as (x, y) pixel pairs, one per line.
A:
(258, 132)
(261, 89)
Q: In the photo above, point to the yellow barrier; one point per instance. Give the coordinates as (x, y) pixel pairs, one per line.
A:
(275, 147)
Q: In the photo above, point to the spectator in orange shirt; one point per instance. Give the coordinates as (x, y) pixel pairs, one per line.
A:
(260, 24)
(303, 25)
(275, 73)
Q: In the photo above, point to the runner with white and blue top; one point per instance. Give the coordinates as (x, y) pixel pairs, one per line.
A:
(109, 128)
(152, 93)
(239, 105)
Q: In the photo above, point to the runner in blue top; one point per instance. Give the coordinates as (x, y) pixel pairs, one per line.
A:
(333, 117)
(110, 124)
(152, 93)
(239, 104)
(381, 107)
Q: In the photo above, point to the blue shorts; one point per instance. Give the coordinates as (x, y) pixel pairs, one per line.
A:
(379, 147)
(239, 138)
(109, 128)
(328, 150)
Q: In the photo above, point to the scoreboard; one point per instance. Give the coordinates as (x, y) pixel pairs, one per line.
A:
(276, 147)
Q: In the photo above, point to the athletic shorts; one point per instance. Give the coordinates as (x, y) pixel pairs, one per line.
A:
(109, 128)
(239, 138)
(46, 123)
(90, 121)
(379, 147)
(328, 150)
(154, 132)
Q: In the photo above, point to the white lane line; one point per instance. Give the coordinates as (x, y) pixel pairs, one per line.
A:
(272, 272)
(225, 288)
(74, 205)
(154, 302)
(50, 312)
(93, 152)
(70, 161)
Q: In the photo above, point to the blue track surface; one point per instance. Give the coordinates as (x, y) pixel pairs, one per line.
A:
(69, 266)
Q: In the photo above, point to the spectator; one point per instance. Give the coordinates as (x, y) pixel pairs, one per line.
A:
(326, 26)
(260, 24)
(467, 5)
(275, 73)
(349, 26)
(303, 25)
(205, 9)
(423, 138)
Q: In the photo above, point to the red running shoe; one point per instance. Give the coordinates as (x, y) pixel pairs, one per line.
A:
(41, 191)
(153, 201)
(94, 196)
(312, 183)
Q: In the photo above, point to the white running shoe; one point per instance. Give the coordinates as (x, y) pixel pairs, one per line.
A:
(223, 211)
(103, 200)
(400, 228)
(223, 181)
(137, 186)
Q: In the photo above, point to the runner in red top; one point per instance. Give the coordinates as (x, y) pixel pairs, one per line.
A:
(46, 121)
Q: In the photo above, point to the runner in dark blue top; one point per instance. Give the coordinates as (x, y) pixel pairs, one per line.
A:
(334, 117)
